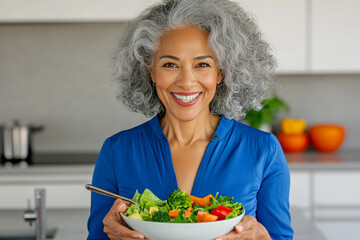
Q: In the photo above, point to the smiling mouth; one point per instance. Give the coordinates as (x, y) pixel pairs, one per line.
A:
(186, 98)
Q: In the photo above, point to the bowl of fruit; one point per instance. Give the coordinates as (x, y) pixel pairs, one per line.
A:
(183, 216)
(327, 137)
(292, 137)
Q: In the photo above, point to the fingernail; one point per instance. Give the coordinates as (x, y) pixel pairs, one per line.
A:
(137, 235)
(239, 228)
(122, 207)
(218, 239)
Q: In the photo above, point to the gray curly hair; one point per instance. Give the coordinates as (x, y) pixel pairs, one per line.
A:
(242, 55)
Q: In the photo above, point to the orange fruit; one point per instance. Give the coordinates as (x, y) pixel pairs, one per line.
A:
(327, 137)
(293, 143)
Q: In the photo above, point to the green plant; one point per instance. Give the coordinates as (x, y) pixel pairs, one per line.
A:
(267, 114)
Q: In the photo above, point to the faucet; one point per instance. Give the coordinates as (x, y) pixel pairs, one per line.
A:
(38, 214)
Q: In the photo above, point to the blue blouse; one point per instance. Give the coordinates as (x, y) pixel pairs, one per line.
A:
(240, 162)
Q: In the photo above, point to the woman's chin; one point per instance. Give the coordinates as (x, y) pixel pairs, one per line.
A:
(188, 115)
(185, 117)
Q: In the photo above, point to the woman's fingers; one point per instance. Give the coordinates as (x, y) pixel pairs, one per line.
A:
(118, 207)
(236, 236)
(118, 231)
(248, 228)
(114, 225)
(246, 224)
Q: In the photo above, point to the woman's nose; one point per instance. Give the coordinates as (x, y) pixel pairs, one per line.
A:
(186, 78)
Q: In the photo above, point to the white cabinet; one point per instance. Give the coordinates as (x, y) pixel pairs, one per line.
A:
(337, 203)
(71, 10)
(58, 195)
(335, 36)
(337, 188)
(300, 189)
(326, 195)
(284, 26)
(64, 185)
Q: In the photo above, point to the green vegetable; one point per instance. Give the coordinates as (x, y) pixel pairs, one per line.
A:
(151, 208)
(181, 218)
(149, 199)
(179, 200)
(161, 216)
(132, 209)
(145, 200)
(137, 196)
(237, 208)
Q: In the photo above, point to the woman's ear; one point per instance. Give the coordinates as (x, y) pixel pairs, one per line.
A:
(152, 77)
(219, 77)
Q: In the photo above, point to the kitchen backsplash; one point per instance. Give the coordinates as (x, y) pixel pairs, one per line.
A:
(59, 75)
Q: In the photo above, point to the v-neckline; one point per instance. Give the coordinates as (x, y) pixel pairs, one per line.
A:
(204, 159)
(221, 129)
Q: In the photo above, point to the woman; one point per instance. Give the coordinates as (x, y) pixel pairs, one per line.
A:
(197, 65)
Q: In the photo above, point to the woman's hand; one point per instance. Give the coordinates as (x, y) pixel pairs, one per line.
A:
(115, 227)
(248, 228)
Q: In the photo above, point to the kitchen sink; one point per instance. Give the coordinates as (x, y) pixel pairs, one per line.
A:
(25, 235)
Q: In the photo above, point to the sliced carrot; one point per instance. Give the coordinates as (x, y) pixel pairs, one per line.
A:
(174, 213)
(187, 213)
(210, 218)
(206, 217)
(194, 199)
(201, 201)
(189, 209)
(206, 200)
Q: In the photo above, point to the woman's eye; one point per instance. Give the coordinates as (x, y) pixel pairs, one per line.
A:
(170, 65)
(203, 65)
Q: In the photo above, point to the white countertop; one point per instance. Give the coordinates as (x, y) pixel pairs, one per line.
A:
(71, 224)
(49, 173)
(316, 161)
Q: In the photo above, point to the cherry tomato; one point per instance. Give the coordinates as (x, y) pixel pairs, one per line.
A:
(221, 212)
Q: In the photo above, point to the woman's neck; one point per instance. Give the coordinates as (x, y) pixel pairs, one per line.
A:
(186, 133)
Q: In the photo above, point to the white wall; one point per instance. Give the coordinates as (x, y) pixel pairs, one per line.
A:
(59, 75)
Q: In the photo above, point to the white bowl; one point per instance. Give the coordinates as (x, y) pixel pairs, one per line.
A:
(181, 231)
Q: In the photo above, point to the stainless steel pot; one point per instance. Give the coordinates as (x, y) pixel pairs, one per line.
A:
(16, 141)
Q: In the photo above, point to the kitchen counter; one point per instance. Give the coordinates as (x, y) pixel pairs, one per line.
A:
(84, 162)
(311, 160)
(71, 224)
(64, 158)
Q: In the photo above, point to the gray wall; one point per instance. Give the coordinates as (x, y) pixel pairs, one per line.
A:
(325, 99)
(59, 75)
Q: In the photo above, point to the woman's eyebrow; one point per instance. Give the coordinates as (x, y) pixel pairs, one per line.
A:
(196, 58)
(203, 57)
(169, 56)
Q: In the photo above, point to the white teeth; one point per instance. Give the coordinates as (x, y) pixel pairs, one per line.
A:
(187, 98)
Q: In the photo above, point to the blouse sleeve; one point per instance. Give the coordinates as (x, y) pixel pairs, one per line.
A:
(273, 196)
(104, 177)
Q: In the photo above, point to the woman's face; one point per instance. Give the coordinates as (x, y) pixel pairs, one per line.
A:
(185, 73)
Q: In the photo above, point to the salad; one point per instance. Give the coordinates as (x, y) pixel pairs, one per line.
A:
(180, 207)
